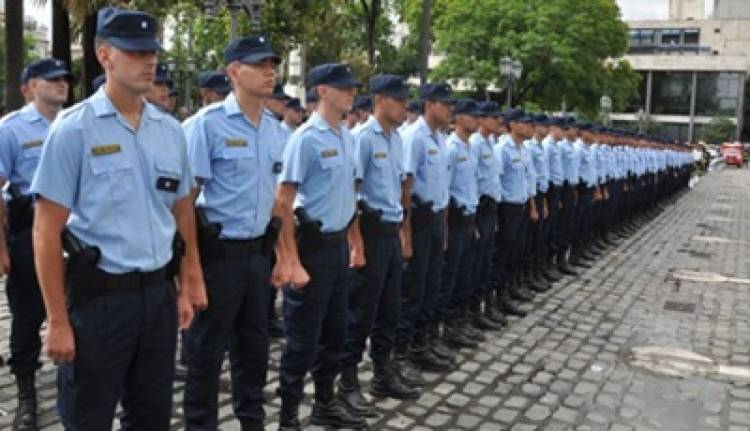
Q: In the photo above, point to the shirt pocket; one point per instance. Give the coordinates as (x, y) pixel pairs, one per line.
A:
(234, 164)
(328, 163)
(28, 162)
(115, 176)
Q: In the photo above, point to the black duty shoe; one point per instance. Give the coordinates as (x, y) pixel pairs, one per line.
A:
(550, 275)
(580, 263)
(25, 419)
(289, 415)
(351, 397)
(495, 315)
(331, 413)
(565, 268)
(385, 384)
(520, 293)
(427, 361)
(469, 331)
(538, 286)
(482, 322)
(439, 348)
(508, 307)
(406, 371)
(455, 338)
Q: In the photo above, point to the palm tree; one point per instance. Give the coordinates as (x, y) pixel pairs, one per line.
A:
(13, 53)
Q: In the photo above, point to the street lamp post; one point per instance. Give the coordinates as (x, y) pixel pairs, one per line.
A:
(252, 7)
(606, 105)
(641, 119)
(511, 71)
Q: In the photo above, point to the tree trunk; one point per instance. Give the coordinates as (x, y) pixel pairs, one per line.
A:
(91, 67)
(14, 54)
(425, 42)
(372, 13)
(61, 39)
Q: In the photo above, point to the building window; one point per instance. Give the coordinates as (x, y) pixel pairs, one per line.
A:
(671, 93)
(718, 93)
(639, 100)
(691, 36)
(676, 131)
(670, 37)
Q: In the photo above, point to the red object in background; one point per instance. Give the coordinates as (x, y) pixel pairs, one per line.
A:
(731, 152)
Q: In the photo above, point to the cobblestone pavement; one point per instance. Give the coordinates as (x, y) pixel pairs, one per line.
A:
(575, 362)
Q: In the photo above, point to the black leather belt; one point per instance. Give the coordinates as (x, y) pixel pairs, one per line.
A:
(105, 283)
(311, 240)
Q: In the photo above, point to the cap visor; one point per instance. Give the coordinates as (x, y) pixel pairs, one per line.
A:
(259, 57)
(402, 94)
(141, 44)
(223, 89)
(56, 74)
(346, 83)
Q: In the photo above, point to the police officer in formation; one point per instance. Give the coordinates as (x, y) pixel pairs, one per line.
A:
(21, 136)
(396, 231)
(374, 292)
(235, 149)
(114, 186)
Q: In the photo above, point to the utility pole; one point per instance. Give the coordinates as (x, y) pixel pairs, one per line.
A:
(425, 42)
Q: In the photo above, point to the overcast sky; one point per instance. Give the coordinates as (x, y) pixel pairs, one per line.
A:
(644, 9)
(631, 9)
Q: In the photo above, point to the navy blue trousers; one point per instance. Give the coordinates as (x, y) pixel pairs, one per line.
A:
(374, 300)
(421, 285)
(315, 321)
(125, 352)
(26, 305)
(236, 320)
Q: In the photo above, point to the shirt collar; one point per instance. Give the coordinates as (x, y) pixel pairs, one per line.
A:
(31, 114)
(374, 125)
(318, 122)
(104, 107)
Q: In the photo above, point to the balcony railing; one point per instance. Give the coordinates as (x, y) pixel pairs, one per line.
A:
(660, 48)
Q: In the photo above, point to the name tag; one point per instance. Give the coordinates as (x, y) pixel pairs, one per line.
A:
(487, 156)
(432, 152)
(327, 154)
(32, 144)
(167, 184)
(380, 155)
(234, 143)
(103, 150)
(462, 159)
(515, 160)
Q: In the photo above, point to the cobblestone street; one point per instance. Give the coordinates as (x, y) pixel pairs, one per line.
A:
(578, 361)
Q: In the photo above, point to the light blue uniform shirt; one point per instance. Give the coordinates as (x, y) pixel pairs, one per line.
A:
(119, 183)
(239, 163)
(22, 133)
(426, 158)
(488, 166)
(530, 171)
(380, 169)
(554, 158)
(464, 187)
(570, 161)
(541, 164)
(512, 172)
(587, 170)
(286, 131)
(321, 162)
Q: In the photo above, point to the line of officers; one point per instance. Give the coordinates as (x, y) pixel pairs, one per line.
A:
(396, 231)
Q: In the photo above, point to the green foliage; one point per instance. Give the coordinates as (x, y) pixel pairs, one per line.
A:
(563, 45)
(720, 130)
(27, 52)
